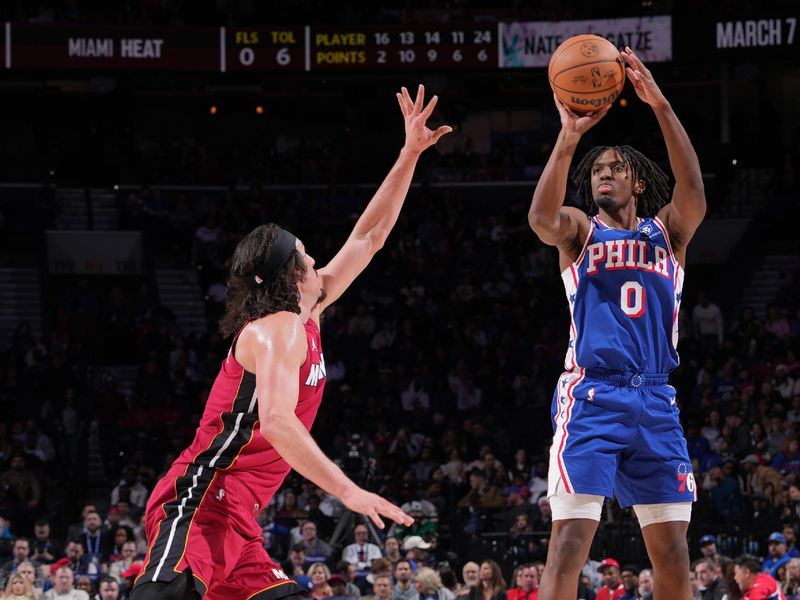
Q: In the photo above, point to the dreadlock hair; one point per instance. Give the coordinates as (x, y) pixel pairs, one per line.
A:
(249, 300)
(655, 194)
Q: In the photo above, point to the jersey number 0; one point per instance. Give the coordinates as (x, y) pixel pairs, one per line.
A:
(632, 299)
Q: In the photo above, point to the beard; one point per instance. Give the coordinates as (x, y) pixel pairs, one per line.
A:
(604, 201)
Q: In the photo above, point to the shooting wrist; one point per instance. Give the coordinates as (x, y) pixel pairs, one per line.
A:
(409, 153)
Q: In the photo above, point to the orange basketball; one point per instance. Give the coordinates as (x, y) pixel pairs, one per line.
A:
(586, 73)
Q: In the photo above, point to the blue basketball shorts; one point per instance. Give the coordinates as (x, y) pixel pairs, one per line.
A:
(618, 434)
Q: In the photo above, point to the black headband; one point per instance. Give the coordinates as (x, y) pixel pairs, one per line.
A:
(281, 250)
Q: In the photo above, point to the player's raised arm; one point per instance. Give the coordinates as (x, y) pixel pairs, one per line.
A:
(553, 223)
(279, 346)
(374, 225)
(685, 212)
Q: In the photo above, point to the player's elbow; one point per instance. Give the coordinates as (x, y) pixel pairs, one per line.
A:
(542, 225)
(274, 427)
(376, 239)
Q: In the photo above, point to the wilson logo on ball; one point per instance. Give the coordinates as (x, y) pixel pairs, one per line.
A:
(594, 102)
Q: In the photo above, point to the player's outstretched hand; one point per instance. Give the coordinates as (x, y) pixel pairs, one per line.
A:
(415, 115)
(572, 122)
(369, 504)
(642, 79)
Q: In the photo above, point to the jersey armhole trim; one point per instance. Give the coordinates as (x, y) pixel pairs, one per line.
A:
(665, 233)
(583, 249)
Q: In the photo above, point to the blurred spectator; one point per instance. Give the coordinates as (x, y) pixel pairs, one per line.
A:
(85, 584)
(295, 566)
(316, 549)
(525, 581)
(45, 549)
(77, 561)
(791, 584)
(646, 585)
(347, 572)
(361, 553)
(96, 541)
(761, 479)
(63, 589)
(137, 492)
(21, 551)
(612, 584)
(710, 585)
(749, 578)
(108, 589)
(27, 492)
(404, 586)
(429, 586)
(707, 318)
(381, 588)
(320, 574)
(33, 576)
(416, 550)
(18, 588)
(491, 585)
(391, 550)
(128, 555)
(338, 588)
(479, 503)
(787, 461)
(776, 546)
(470, 572)
(629, 575)
(790, 535)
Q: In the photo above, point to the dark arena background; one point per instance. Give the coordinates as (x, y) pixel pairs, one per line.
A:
(142, 139)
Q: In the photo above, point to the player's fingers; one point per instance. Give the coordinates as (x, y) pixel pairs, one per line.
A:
(388, 509)
(633, 58)
(406, 101)
(420, 101)
(402, 105)
(426, 113)
(373, 514)
(407, 97)
(633, 76)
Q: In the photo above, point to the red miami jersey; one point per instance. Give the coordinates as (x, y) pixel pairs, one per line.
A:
(228, 437)
(202, 514)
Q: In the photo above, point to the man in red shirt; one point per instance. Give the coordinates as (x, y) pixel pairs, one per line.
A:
(754, 584)
(612, 584)
(526, 584)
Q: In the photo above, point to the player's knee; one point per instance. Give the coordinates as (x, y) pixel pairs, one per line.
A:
(565, 555)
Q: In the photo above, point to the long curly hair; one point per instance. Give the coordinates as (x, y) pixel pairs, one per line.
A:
(655, 194)
(248, 300)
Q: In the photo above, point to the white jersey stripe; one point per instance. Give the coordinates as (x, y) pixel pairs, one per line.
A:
(188, 496)
(174, 525)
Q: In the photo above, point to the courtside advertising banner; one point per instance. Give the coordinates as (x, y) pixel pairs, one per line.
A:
(530, 44)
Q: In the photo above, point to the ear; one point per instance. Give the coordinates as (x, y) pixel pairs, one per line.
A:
(639, 187)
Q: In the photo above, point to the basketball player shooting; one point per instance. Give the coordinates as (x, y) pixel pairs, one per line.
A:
(616, 425)
(201, 526)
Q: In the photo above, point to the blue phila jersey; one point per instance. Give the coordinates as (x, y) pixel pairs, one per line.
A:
(624, 294)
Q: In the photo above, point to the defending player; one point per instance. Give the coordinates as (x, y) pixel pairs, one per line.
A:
(201, 526)
(616, 425)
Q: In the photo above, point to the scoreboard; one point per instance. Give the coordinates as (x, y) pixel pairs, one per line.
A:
(241, 49)
(263, 49)
(301, 48)
(403, 48)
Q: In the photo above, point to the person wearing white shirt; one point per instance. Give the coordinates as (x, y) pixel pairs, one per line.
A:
(62, 587)
(361, 553)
